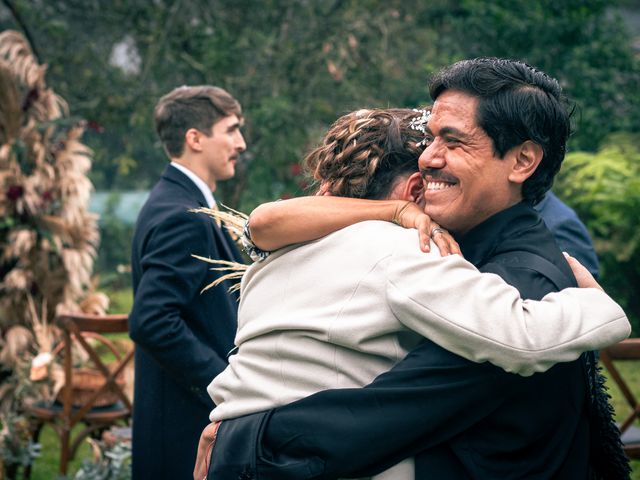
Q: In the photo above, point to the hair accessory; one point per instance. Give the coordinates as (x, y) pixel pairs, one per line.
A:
(419, 123)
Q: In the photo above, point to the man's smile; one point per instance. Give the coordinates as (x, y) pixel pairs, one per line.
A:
(435, 180)
(431, 185)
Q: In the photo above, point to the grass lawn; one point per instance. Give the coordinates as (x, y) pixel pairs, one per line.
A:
(120, 301)
(631, 373)
(46, 467)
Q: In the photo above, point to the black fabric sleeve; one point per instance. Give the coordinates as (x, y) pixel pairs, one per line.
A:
(426, 399)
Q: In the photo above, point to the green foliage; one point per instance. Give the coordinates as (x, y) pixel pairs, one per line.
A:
(16, 448)
(582, 43)
(114, 464)
(296, 65)
(121, 299)
(604, 188)
(114, 253)
(45, 467)
(631, 373)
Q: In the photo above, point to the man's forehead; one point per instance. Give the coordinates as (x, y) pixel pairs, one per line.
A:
(232, 121)
(454, 109)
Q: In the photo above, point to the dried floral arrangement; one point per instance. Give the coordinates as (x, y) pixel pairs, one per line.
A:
(48, 238)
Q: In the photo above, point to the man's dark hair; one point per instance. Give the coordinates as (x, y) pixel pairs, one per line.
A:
(516, 103)
(196, 107)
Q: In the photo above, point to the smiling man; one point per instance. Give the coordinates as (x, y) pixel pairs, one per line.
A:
(494, 141)
(463, 187)
(182, 337)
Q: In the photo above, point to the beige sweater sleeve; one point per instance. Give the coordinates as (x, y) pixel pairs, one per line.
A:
(480, 317)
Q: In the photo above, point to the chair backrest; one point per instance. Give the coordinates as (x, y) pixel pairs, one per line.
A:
(86, 332)
(627, 350)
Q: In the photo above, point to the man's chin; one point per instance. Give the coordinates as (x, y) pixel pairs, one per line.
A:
(439, 216)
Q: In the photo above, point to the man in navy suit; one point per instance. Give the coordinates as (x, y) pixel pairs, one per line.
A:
(570, 233)
(182, 336)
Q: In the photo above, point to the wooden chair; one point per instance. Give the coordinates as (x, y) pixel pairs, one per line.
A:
(85, 332)
(627, 350)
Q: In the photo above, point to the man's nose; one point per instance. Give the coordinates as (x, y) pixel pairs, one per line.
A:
(241, 146)
(431, 157)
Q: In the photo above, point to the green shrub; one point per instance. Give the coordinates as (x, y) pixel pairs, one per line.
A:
(114, 253)
(604, 189)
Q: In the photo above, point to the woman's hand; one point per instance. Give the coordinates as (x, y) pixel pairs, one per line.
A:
(207, 440)
(410, 215)
(583, 276)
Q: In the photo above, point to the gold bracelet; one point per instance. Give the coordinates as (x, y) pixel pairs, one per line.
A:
(398, 213)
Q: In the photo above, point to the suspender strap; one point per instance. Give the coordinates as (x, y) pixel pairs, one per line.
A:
(537, 263)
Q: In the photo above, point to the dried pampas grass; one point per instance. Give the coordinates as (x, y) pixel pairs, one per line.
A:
(17, 340)
(234, 221)
(235, 272)
(52, 240)
(229, 218)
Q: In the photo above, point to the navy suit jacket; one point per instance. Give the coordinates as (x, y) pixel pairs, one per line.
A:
(182, 336)
(570, 233)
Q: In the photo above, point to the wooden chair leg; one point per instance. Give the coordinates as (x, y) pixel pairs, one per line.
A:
(65, 439)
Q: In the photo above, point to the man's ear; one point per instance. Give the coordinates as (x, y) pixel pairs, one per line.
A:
(413, 188)
(192, 140)
(527, 157)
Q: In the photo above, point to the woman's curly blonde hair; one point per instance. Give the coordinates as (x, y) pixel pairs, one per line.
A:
(365, 152)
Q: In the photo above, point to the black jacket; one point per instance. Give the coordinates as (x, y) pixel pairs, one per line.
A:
(182, 336)
(460, 419)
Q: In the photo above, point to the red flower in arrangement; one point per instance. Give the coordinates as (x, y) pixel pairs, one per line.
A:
(14, 192)
(295, 169)
(95, 126)
(47, 196)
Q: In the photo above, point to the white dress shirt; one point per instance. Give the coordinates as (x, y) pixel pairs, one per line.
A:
(204, 188)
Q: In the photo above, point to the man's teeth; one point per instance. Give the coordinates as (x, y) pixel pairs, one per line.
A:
(438, 185)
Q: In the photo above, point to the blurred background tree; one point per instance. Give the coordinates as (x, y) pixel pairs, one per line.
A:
(604, 188)
(296, 65)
